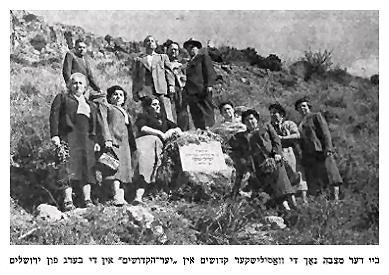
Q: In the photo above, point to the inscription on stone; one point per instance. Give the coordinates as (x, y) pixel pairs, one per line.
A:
(207, 157)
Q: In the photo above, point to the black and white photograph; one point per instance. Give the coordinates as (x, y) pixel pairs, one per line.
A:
(181, 128)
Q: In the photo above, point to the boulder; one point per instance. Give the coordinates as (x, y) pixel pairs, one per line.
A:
(140, 215)
(195, 185)
(49, 213)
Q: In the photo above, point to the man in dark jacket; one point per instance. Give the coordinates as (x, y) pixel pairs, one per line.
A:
(200, 76)
(77, 62)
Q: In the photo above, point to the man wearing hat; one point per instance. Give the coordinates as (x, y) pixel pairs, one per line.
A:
(289, 135)
(200, 77)
(152, 76)
(317, 150)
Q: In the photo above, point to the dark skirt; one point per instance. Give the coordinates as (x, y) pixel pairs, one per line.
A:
(80, 167)
(277, 183)
(320, 172)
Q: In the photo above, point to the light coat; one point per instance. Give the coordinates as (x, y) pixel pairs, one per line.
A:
(162, 76)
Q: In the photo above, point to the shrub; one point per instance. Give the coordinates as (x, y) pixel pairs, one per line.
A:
(319, 61)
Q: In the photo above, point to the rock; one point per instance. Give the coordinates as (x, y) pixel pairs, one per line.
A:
(275, 222)
(226, 68)
(141, 215)
(195, 186)
(49, 213)
(159, 232)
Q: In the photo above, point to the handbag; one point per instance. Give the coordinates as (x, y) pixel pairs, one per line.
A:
(108, 162)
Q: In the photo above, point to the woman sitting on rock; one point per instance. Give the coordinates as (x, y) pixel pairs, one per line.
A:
(72, 125)
(154, 128)
(259, 151)
(118, 137)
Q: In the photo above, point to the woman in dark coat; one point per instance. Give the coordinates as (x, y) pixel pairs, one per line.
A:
(73, 122)
(317, 150)
(154, 128)
(118, 136)
(259, 151)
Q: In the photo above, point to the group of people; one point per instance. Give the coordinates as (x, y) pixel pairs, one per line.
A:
(264, 153)
(169, 89)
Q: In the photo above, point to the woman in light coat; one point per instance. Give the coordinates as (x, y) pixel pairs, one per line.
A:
(118, 136)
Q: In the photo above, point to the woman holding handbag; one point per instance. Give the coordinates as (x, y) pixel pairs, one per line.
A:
(119, 140)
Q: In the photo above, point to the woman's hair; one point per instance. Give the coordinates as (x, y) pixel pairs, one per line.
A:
(301, 100)
(249, 112)
(146, 106)
(80, 40)
(146, 102)
(73, 76)
(112, 89)
(278, 107)
(221, 105)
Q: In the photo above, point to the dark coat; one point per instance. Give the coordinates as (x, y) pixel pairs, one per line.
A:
(320, 169)
(315, 134)
(253, 148)
(74, 64)
(79, 133)
(199, 74)
(149, 120)
(63, 116)
(249, 152)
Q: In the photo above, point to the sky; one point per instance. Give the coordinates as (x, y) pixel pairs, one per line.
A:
(351, 35)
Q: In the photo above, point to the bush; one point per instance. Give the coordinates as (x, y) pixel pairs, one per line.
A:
(326, 222)
(319, 61)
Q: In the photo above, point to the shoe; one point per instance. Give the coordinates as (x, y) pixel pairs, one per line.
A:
(118, 199)
(68, 206)
(117, 202)
(88, 203)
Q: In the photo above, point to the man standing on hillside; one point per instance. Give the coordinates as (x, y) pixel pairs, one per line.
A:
(200, 76)
(77, 62)
(173, 51)
(152, 76)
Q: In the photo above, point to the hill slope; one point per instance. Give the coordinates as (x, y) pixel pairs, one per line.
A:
(349, 103)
